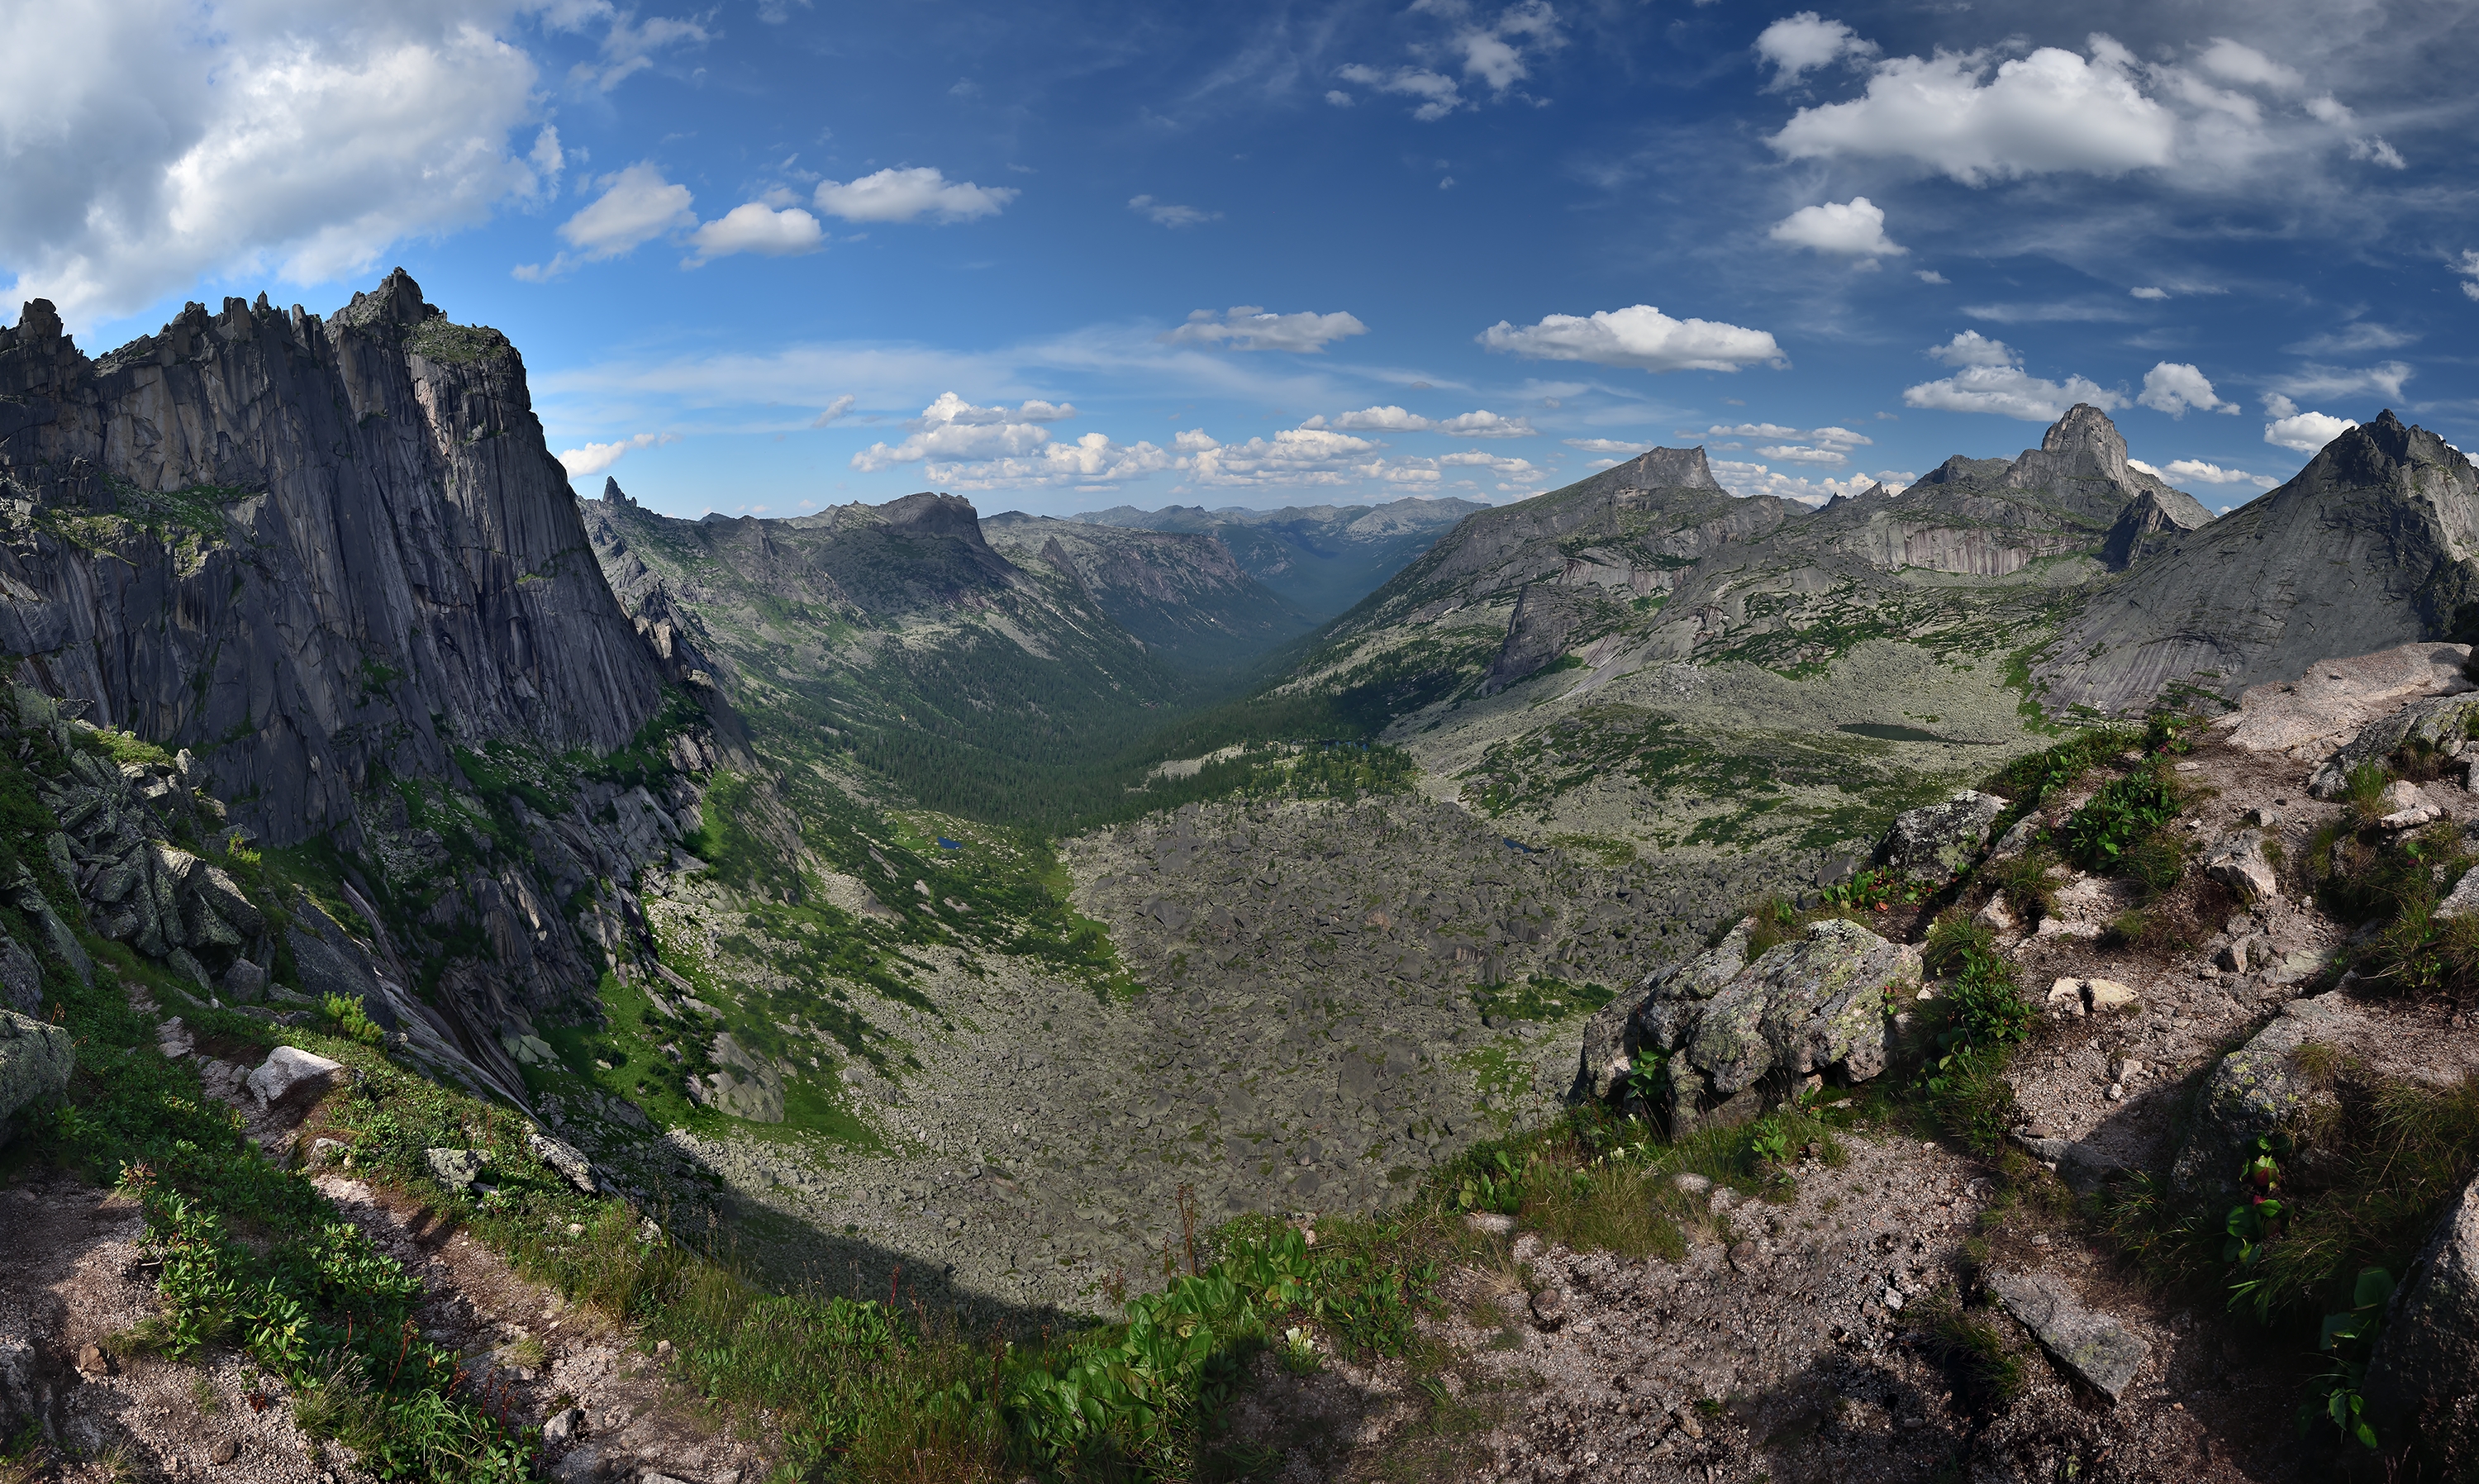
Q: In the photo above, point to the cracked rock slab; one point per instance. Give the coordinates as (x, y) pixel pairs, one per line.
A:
(2096, 1347)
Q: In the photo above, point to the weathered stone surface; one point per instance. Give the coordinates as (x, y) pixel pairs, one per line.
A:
(1934, 843)
(455, 1169)
(2432, 720)
(563, 1157)
(2102, 1353)
(2307, 718)
(244, 982)
(1815, 1004)
(2089, 996)
(291, 1075)
(363, 493)
(2463, 900)
(34, 1063)
(21, 976)
(2423, 1378)
(27, 896)
(2255, 1091)
(2238, 861)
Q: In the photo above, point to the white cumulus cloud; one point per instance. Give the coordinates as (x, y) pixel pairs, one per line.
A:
(153, 143)
(2051, 110)
(1484, 424)
(2177, 389)
(2198, 471)
(909, 194)
(596, 457)
(1740, 478)
(1092, 459)
(1296, 455)
(1251, 327)
(757, 228)
(1992, 380)
(2148, 292)
(1640, 336)
(636, 206)
(1853, 228)
(1800, 43)
(2468, 269)
(2306, 432)
(953, 430)
(1605, 445)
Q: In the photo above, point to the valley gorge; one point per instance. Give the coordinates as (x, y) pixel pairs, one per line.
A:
(1633, 983)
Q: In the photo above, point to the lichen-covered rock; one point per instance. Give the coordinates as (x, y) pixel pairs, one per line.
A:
(34, 1063)
(2238, 861)
(563, 1157)
(2433, 719)
(2256, 1090)
(2423, 1378)
(455, 1169)
(2099, 1350)
(1934, 843)
(1731, 1027)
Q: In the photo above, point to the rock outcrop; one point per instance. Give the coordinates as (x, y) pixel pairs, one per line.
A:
(35, 1060)
(2257, 1090)
(1731, 1029)
(2371, 546)
(305, 549)
(2423, 1379)
(1934, 843)
(2431, 721)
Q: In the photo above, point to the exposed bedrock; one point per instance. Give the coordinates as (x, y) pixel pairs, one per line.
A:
(305, 549)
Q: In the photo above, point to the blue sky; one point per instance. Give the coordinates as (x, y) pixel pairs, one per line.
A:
(766, 257)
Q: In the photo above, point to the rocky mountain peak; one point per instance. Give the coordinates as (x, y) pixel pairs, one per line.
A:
(1670, 469)
(2082, 445)
(613, 494)
(397, 300)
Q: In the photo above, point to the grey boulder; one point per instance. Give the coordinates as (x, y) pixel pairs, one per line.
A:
(1935, 843)
(2423, 1378)
(455, 1169)
(564, 1158)
(1731, 1027)
(34, 1063)
(2238, 861)
(2097, 1349)
(291, 1075)
(2257, 1090)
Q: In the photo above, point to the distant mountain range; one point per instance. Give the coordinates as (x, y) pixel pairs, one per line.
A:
(1319, 558)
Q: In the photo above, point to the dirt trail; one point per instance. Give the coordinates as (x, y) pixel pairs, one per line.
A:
(74, 1272)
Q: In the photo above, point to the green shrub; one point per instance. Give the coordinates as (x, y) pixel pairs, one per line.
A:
(2123, 814)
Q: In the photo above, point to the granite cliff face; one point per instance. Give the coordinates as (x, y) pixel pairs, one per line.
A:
(307, 551)
(2374, 544)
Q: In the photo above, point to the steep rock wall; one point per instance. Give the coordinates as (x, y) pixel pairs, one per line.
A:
(305, 549)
